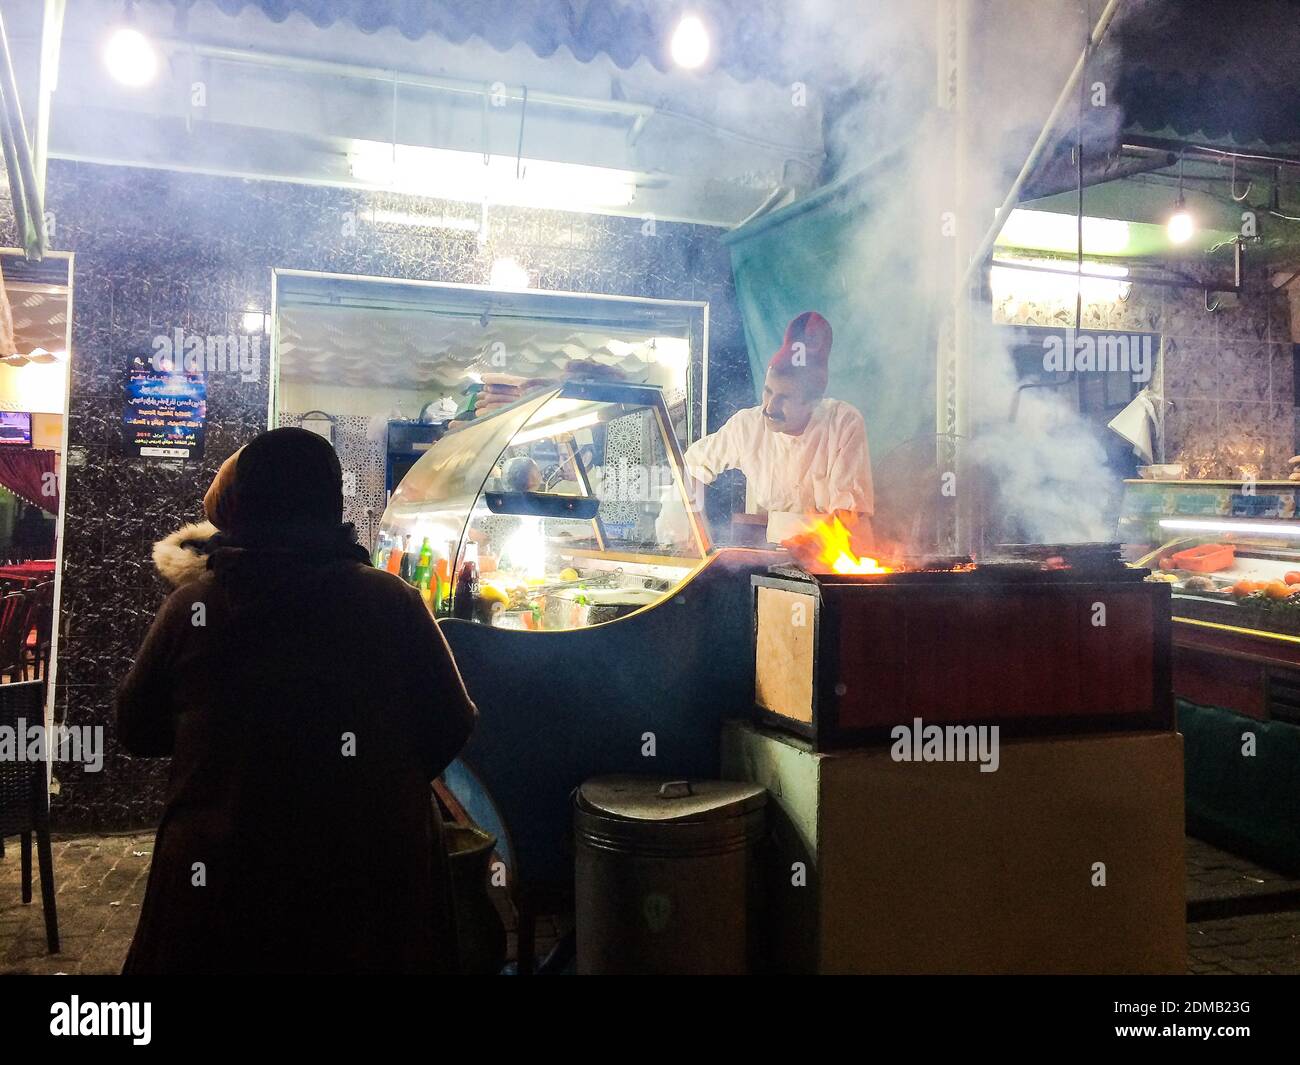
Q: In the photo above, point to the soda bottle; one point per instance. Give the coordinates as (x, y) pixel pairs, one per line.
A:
(423, 571)
(423, 565)
(466, 592)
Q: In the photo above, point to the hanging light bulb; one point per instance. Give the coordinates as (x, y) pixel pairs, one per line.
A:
(690, 43)
(129, 55)
(507, 274)
(1181, 224)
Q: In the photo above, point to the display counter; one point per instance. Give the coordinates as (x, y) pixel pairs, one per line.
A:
(1230, 551)
(595, 628)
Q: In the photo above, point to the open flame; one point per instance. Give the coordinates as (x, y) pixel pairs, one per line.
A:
(827, 545)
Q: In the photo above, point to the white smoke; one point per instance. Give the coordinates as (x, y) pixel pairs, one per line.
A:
(1045, 472)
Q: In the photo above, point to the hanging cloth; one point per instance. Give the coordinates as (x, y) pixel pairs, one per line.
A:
(25, 472)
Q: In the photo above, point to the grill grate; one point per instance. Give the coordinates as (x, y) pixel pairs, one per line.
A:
(1054, 563)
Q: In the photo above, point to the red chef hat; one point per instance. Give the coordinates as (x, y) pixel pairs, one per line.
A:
(807, 347)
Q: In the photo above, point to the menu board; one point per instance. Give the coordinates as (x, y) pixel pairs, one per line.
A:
(164, 415)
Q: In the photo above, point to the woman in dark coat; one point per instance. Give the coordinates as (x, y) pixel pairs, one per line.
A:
(307, 700)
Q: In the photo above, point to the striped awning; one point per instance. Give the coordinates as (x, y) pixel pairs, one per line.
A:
(750, 36)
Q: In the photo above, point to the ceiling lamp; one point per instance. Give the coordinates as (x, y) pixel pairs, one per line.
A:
(1181, 223)
(507, 274)
(445, 173)
(690, 43)
(129, 55)
(1053, 280)
(1049, 231)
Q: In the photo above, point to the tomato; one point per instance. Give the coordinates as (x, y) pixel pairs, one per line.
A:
(1292, 577)
(1244, 587)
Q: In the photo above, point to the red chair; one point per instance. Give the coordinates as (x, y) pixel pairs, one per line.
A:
(13, 630)
(37, 630)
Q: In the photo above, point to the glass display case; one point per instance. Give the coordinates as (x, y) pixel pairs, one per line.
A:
(565, 509)
(1230, 550)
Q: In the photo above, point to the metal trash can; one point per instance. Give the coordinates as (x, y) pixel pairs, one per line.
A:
(666, 875)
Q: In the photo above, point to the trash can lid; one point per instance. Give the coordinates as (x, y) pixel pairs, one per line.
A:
(639, 798)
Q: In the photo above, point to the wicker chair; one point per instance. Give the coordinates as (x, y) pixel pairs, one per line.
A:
(24, 803)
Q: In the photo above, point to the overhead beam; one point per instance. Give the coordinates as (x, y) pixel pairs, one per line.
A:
(1045, 136)
(23, 185)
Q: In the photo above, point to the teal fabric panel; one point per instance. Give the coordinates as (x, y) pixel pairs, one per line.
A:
(1250, 805)
(852, 254)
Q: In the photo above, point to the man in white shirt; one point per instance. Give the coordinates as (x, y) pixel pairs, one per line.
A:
(802, 454)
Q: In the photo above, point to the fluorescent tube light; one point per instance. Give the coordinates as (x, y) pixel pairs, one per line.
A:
(1256, 528)
(444, 173)
(1049, 231)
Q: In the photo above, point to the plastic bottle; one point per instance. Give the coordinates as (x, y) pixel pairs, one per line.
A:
(423, 571)
(436, 603)
(380, 558)
(423, 564)
(395, 557)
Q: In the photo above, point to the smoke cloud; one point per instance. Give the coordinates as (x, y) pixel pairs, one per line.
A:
(1042, 476)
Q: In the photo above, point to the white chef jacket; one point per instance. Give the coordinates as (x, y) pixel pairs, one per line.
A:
(826, 467)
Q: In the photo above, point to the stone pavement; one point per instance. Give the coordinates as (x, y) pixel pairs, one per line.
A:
(1244, 919)
(1220, 884)
(100, 883)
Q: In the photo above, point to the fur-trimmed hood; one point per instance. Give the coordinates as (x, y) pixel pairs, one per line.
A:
(180, 557)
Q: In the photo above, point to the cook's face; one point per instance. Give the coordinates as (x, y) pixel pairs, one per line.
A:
(786, 404)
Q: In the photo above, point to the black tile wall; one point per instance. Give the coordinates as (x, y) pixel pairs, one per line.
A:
(156, 251)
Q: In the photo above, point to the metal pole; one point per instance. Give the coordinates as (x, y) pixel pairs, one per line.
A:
(51, 38)
(22, 183)
(1036, 152)
(952, 54)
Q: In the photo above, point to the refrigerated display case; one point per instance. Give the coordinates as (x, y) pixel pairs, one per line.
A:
(1149, 506)
(570, 505)
(1227, 548)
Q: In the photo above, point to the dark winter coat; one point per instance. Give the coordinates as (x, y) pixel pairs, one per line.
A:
(306, 700)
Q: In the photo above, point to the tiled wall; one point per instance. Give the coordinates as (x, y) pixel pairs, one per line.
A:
(1228, 374)
(156, 251)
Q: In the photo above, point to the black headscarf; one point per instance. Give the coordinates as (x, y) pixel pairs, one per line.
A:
(285, 493)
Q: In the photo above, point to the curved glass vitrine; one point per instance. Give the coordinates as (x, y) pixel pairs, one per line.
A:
(565, 509)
